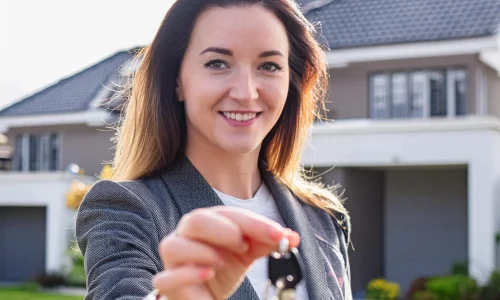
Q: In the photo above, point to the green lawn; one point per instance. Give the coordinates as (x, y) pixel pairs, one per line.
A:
(26, 294)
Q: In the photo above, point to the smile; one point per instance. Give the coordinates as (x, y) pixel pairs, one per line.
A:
(240, 117)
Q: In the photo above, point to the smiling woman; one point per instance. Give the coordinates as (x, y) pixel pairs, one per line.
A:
(207, 175)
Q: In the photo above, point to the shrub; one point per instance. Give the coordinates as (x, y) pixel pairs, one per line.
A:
(380, 289)
(453, 287)
(416, 286)
(423, 295)
(491, 291)
(460, 268)
(50, 280)
(76, 276)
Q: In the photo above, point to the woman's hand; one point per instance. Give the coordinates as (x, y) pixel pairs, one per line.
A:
(208, 256)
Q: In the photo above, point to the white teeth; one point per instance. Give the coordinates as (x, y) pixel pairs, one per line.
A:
(239, 117)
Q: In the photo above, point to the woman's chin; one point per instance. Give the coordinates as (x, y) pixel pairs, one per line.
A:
(238, 148)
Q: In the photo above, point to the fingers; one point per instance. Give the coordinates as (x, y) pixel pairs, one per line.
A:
(173, 281)
(176, 251)
(231, 228)
(257, 227)
(206, 226)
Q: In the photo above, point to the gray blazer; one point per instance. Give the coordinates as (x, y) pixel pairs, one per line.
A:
(120, 225)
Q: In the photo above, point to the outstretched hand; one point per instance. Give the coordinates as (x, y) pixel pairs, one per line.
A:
(208, 255)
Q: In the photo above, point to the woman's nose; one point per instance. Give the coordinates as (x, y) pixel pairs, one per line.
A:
(243, 87)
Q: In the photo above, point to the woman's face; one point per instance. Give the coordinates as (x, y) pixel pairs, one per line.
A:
(234, 78)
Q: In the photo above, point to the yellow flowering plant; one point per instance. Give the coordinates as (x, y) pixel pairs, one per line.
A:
(381, 289)
(78, 189)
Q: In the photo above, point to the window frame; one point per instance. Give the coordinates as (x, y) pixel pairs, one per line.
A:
(450, 77)
(22, 157)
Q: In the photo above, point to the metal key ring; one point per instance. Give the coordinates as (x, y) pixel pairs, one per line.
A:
(284, 246)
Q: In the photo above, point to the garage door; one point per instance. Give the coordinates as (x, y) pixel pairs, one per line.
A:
(22, 243)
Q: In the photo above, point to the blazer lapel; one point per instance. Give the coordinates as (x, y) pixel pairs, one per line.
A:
(296, 219)
(190, 191)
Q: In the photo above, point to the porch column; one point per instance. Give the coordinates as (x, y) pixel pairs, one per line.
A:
(483, 174)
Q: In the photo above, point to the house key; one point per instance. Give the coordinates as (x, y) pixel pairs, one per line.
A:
(284, 271)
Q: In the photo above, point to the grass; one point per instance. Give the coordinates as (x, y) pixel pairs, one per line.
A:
(26, 293)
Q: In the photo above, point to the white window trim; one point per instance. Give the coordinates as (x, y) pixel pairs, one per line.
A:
(25, 150)
(450, 94)
(481, 92)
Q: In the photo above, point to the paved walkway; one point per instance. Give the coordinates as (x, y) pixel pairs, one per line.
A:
(74, 291)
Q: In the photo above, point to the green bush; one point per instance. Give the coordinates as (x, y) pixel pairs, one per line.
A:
(460, 268)
(453, 287)
(491, 291)
(76, 276)
(423, 295)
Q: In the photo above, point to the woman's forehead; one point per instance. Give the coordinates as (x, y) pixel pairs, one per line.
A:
(235, 27)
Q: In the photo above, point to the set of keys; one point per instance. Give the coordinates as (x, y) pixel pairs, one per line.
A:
(285, 271)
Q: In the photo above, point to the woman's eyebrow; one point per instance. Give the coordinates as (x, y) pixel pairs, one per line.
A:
(218, 50)
(228, 52)
(271, 53)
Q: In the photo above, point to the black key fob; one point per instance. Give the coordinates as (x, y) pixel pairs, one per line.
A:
(287, 265)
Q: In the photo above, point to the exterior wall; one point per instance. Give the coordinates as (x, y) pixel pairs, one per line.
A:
(88, 147)
(474, 142)
(425, 222)
(492, 90)
(349, 87)
(364, 194)
(44, 190)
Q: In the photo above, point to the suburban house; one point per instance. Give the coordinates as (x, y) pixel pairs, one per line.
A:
(413, 88)
(415, 95)
(55, 134)
(5, 154)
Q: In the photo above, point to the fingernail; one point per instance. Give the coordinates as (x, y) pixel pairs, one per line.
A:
(293, 233)
(276, 234)
(244, 247)
(206, 273)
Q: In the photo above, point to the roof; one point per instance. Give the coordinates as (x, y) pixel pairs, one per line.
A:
(357, 23)
(342, 24)
(72, 94)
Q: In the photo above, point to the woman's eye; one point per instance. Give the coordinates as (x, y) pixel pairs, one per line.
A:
(271, 67)
(216, 64)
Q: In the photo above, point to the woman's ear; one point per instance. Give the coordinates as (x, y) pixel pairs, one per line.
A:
(178, 90)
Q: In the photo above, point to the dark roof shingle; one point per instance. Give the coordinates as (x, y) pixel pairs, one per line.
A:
(356, 23)
(71, 94)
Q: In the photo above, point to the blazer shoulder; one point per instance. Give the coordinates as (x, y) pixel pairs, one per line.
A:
(146, 190)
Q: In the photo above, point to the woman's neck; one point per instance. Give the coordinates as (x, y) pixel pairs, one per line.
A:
(234, 175)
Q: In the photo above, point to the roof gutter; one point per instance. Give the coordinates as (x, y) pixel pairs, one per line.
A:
(92, 118)
(488, 47)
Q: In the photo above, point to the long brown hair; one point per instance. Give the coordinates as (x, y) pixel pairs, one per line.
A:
(152, 134)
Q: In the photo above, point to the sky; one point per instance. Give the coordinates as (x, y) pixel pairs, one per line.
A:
(42, 42)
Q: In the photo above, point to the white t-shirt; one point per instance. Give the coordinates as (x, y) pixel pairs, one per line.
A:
(262, 203)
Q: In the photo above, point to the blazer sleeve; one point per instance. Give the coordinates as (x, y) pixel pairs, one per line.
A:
(119, 241)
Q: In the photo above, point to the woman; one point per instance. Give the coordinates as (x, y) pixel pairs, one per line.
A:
(207, 176)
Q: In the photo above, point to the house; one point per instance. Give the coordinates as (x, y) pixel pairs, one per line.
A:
(414, 92)
(413, 88)
(55, 134)
(5, 153)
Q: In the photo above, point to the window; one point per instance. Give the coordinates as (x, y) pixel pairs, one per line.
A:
(418, 94)
(380, 96)
(400, 103)
(37, 152)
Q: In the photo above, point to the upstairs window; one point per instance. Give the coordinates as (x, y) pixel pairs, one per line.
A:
(37, 152)
(418, 94)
